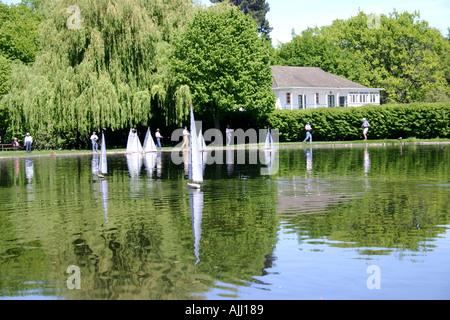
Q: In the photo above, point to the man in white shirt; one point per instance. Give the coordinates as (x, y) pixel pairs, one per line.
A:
(94, 139)
(185, 138)
(27, 142)
(229, 133)
(365, 126)
(158, 138)
(308, 132)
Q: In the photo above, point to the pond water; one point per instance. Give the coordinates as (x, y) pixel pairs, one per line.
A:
(326, 223)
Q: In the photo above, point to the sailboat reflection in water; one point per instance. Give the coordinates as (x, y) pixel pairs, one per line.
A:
(196, 201)
(99, 168)
(29, 174)
(269, 155)
(103, 169)
(196, 177)
(104, 193)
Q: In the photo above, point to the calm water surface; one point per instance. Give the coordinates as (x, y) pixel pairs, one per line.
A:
(327, 223)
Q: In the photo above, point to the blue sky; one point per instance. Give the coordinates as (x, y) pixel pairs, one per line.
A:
(285, 15)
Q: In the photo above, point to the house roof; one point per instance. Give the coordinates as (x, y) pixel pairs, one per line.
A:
(309, 77)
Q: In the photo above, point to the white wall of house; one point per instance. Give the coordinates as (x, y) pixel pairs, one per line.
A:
(305, 98)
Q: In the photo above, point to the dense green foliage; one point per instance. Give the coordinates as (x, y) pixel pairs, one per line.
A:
(399, 53)
(118, 65)
(257, 9)
(102, 64)
(5, 75)
(418, 120)
(224, 64)
(19, 37)
(136, 63)
(19, 41)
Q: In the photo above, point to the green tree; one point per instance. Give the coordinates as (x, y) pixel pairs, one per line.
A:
(257, 9)
(102, 64)
(403, 54)
(5, 83)
(19, 43)
(312, 48)
(5, 76)
(19, 38)
(397, 52)
(224, 64)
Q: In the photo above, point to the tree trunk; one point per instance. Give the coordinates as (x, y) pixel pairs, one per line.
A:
(216, 118)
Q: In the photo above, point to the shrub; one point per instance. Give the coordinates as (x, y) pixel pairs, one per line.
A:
(419, 120)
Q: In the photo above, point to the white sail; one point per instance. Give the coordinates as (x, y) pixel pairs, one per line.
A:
(269, 141)
(201, 142)
(137, 146)
(133, 143)
(196, 201)
(195, 165)
(103, 166)
(149, 144)
(130, 140)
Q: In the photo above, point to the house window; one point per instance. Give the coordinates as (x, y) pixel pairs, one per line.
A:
(301, 102)
(331, 101)
(373, 97)
(364, 97)
(317, 97)
(353, 96)
(288, 97)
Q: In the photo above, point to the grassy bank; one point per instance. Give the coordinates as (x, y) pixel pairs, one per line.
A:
(37, 153)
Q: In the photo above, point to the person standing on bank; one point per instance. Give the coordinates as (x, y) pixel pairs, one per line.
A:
(158, 138)
(185, 138)
(27, 142)
(228, 133)
(94, 140)
(308, 129)
(365, 126)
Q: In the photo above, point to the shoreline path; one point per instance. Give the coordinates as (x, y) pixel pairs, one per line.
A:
(292, 145)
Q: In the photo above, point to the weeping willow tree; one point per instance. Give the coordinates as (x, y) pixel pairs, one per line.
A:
(103, 63)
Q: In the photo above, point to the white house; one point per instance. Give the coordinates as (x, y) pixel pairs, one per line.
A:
(310, 87)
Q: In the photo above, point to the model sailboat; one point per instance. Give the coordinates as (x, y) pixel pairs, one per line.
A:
(103, 166)
(149, 144)
(133, 143)
(269, 144)
(201, 141)
(195, 163)
(270, 154)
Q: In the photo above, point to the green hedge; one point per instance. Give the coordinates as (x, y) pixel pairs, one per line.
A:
(418, 120)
